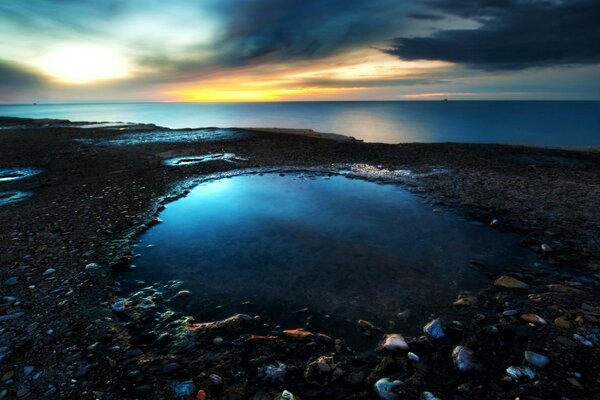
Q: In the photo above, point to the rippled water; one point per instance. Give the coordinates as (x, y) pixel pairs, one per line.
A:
(345, 248)
(541, 123)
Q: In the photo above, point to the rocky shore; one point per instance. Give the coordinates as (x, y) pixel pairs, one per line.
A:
(65, 229)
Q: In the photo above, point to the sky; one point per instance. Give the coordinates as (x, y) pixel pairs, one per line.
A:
(298, 50)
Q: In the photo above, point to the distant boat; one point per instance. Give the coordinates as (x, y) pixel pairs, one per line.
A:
(445, 99)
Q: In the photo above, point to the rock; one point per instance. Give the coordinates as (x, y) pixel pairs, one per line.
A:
(8, 317)
(215, 379)
(565, 341)
(546, 248)
(584, 341)
(322, 371)
(274, 373)
(429, 396)
(465, 300)
(518, 373)
(510, 282)
(285, 395)
(562, 322)
(11, 281)
(92, 266)
(394, 342)
(119, 306)
(533, 318)
(385, 388)
(539, 360)
(218, 340)
(22, 392)
(510, 313)
(463, 358)
(142, 390)
(185, 389)
(27, 370)
(298, 334)
(495, 222)
(413, 357)
(232, 324)
(434, 329)
(49, 271)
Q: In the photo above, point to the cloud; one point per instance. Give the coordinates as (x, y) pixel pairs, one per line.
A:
(512, 35)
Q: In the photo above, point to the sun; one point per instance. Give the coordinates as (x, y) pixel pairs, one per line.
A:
(81, 64)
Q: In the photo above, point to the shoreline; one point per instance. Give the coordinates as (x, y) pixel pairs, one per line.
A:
(547, 195)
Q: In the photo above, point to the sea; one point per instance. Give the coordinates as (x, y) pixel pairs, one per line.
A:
(564, 124)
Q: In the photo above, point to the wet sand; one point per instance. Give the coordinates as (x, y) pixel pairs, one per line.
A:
(91, 201)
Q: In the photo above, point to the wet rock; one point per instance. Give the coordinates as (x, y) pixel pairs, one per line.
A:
(546, 248)
(562, 322)
(366, 327)
(429, 396)
(495, 222)
(385, 388)
(413, 357)
(49, 271)
(394, 342)
(464, 359)
(539, 360)
(27, 370)
(584, 341)
(322, 371)
(510, 282)
(8, 317)
(285, 395)
(274, 373)
(465, 300)
(13, 280)
(232, 324)
(434, 329)
(533, 318)
(215, 379)
(142, 391)
(119, 306)
(185, 389)
(92, 266)
(299, 334)
(510, 313)
(518, 373)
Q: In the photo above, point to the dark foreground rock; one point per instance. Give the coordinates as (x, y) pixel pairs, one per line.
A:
(532, 334)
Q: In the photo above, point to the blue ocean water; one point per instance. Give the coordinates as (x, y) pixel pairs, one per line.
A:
(539, 123)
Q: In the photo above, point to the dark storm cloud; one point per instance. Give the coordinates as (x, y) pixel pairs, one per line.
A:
(513, 34)
(305, 29)
(13, 76)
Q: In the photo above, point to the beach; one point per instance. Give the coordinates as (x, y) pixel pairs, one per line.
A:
(61, 246)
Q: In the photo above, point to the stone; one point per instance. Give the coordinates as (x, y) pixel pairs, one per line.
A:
(49, 271)
(285, 395)
(539, 360)
(322, 371)
(413, 357)
(394, 342)
(510, 282)
(429, 396)
(8, 317)
(518, 373)
(385, 388)
(434, 329)
(119, 306)
(11, 281)
(533, 318)
(92, 266)
(463, 358)
(185, 389)
(562, 322)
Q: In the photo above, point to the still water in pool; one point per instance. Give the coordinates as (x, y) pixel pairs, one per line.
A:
(346, 249)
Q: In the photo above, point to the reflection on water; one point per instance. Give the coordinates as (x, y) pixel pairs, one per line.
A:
(192, 160)
(542, 123)
(12, 196)
(346, 248)
(11, 174)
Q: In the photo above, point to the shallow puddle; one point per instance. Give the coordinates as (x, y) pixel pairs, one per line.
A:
(192, 160)
(12, 174)
(346, 249)
(168, 136)
(12, 197)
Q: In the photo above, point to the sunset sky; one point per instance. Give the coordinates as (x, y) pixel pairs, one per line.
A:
(275, 50)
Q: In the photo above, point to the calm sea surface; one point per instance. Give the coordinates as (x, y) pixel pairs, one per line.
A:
(540, 123)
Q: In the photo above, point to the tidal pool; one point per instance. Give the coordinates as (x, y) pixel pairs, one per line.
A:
(168, 136)
(12, 196)
(12, 174)
(346, 249)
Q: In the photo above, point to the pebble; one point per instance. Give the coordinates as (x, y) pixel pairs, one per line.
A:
(218, 340)
(384, 388)
(583, 340)
(534, 318)
(510, 313)
(539, 360)
(8, 317)
(562, 322)
(520, 372)
(546, 248)
(215, 379)
(11, 281)
(118, 306)
(394, 342)
(49, 271)
(510, 282)
(185, 389)
(429, 396)
(27, 370)
(495, 222)
(413, 357)
(434, 329)
(463, 358)
(92, 266)
(285, 395)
